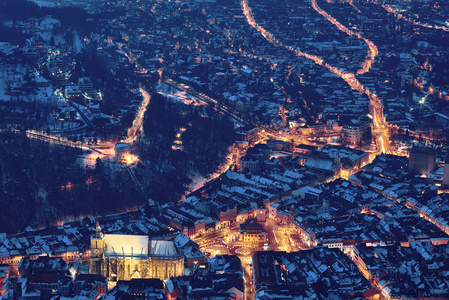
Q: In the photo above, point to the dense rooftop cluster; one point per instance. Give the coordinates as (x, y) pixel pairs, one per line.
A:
(415, 271)
(317, 273)
(283, 219)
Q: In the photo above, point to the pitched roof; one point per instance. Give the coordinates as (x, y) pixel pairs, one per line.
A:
(163, 248)
(124, 244)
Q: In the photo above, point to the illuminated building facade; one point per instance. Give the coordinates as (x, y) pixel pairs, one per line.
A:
(250, 164)
(356, 134)
(120, 149)
(422, 160)
(251, 231)
(123, 257)
(72, 91)
(446, 173)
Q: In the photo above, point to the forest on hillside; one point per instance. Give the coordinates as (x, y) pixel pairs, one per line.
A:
(205, 142)
(42, 184)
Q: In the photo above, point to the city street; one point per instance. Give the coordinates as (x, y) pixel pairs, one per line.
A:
(226, 241)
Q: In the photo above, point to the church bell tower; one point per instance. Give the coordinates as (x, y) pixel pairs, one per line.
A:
(96, 249)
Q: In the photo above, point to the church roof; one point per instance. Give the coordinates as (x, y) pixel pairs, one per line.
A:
(323, 164)
(124, 244)
(163, 248)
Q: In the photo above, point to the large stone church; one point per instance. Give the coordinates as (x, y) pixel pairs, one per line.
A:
(123, 257)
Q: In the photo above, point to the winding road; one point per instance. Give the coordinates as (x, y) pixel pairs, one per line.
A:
(372, 53)
(400, 16)
(381, 131)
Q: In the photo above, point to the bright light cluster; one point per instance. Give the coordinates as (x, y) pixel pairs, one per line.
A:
(129, 158)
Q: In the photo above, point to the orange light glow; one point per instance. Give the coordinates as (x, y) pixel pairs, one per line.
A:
(128, 158)
(137, 123)
(380, 125)
(92, 158)
(108, 152)
(400, 16)
(68, 186)
(372, 53)
(90, 180)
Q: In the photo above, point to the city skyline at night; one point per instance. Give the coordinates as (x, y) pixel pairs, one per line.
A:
(224, 149)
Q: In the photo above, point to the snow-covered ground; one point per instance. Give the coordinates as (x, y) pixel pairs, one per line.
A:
(77, 44)
(198, 181)
(10, 75)
(54, 3)
(279, 154)
(13, 76)
(45, 3)
(91, 115)
(178, 95)
(89, 158)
